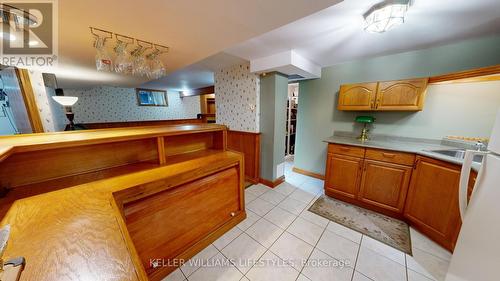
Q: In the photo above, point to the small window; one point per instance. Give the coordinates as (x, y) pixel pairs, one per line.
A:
(147, 97)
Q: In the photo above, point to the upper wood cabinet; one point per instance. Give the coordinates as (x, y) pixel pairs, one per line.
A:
(357, 96)
(432, 201)
(401, 95)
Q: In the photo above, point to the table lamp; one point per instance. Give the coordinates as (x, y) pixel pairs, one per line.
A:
(67, 102)
(365, 120)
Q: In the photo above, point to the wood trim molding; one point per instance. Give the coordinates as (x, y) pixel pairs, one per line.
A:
(308, 173)
(29, 100)
(272, 184)
(466, 75)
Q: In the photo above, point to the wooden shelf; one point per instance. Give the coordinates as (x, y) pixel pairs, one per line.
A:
(69, 181)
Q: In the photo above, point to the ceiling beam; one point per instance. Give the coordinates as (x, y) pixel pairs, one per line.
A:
(198, 92)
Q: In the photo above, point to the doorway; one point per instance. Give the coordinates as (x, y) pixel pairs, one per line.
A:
(291, 120)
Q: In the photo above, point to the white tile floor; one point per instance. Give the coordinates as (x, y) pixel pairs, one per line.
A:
(281, 240)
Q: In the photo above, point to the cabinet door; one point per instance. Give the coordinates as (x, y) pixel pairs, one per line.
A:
(357, 96)
(343, 174)
(385, 185)
(432, 202)
(403, 95)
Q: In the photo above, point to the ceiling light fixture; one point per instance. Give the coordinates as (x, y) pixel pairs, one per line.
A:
(386, 15)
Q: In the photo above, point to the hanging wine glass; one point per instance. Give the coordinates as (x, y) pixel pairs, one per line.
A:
(123, 61)
(140, 65)
(103, 59)
(157, 69)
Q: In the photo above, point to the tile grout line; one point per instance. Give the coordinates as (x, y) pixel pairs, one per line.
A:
(310, 254)
(357, 256)
(285, 230)
(263, 217)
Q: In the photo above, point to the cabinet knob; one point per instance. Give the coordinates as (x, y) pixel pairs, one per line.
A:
(233, 214)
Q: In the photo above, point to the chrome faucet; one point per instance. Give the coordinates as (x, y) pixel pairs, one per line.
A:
(480, 146)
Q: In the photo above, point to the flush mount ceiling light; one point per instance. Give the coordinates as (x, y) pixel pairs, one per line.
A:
(386, 15)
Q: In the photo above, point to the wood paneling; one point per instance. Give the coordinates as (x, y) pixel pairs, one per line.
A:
(348, 150)
(385, 185)
(188, 143)
(357, 96)
(249, 144)
(343, 174)
(188, 213)
(140, 123)
(466, 74)
(395, 157)
(56, 163)
(402, 95)
(432, 202)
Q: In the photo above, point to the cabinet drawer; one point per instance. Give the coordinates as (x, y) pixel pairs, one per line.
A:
(390, 156)
(346, 150)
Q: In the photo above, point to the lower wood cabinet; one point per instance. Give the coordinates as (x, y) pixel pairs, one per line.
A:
(420, 190)
(343, 174)
(432, 201)
(384, 185)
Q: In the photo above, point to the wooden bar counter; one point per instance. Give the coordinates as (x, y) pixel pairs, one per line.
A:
(118, 204)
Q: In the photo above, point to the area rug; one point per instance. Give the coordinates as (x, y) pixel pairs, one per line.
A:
(387, 230)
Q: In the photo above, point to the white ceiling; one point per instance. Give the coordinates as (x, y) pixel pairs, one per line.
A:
(335, 34)
(193, 29)
(198, 75)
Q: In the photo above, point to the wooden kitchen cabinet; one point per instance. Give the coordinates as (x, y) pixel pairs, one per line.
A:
(432, 201)
(357, 96)
(384, 185)
(401, 95)
(343, 174)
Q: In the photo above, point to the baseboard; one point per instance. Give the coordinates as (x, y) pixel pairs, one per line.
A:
(272, 184)
(252, 180)
(307, 173)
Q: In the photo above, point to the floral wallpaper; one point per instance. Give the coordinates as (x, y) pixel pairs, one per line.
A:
(237, 93)
(51, 113)
(113, 104)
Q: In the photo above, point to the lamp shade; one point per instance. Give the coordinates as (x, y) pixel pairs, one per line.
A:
(65, 100)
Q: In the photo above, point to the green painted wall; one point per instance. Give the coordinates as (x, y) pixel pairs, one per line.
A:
(317, 114)
(273, 98)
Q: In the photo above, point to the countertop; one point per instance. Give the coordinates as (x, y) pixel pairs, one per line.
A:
(422, 147)
(33, 142)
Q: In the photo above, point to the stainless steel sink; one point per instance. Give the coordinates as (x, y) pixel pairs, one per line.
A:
(458, 153)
